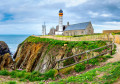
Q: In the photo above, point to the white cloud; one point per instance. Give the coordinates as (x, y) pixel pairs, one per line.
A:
(113, 23)
(106, 15)
(68, 3)
(93, 14)
(107, 26)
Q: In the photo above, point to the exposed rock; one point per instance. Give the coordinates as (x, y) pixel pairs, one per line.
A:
(38, 57)
(6, 60)
(3, 48)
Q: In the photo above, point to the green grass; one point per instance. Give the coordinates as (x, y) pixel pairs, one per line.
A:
(11, 82)
(36, 76)
(82, 44)
(31, 76)
(111, 73)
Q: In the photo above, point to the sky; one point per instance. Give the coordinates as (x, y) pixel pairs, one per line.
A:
(27, 16)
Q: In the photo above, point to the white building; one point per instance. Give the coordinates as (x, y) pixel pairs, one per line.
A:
(44, 29)
(60, 30)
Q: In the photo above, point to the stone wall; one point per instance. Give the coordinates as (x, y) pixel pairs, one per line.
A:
(117, 39)
(110, 31)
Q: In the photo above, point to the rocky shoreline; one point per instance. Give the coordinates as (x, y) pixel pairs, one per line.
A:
(6, 61)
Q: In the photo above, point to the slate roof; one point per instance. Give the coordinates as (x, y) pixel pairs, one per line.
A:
(79, 26)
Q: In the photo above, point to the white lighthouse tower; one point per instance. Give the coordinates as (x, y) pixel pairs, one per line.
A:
(44, 29)
(60, 31)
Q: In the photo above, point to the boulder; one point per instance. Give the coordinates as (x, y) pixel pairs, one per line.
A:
(6, 60)
(3, 48)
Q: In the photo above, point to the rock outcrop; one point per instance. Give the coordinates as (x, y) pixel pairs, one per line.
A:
(38, 57)
(3, 48)
(5, 58)
(41, 54)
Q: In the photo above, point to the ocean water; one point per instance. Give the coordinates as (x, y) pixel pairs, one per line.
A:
(13, 41)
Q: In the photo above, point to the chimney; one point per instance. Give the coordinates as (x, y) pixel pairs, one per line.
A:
(67, 23)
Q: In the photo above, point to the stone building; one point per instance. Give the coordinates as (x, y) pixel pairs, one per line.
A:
(53, 30)
(79, 29)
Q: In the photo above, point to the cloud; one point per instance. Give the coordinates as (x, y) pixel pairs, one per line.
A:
(106, 15)
(107, 26)
(68, 3)
(93, 14)
(29, 15)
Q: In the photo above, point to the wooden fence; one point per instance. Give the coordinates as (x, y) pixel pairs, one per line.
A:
(89, 53)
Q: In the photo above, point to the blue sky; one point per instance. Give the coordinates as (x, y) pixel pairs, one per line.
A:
(27, 16)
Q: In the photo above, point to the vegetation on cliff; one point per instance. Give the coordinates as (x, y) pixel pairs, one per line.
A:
(40, 54)
(107, 74)
(36, 58)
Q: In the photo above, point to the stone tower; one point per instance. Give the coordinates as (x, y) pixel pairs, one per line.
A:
(44, 29)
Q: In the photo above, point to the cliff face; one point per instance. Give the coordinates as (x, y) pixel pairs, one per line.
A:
(6, 60)
(41, 54)
(38, 56)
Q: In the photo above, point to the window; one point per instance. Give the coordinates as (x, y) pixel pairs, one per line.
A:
(89, 30)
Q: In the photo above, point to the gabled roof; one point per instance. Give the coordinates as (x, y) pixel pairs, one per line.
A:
(79, 26)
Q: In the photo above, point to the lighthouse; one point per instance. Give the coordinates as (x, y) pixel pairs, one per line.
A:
(60, 30)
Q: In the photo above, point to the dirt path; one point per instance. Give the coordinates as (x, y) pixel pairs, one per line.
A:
(116, 57)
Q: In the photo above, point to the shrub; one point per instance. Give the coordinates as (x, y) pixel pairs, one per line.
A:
(49, 74)
(93, 61)
(4, 72)
(13, 74)
(23, 79)
(79, 67)
(11, 82)
(41, 82)
(108, 56)
(69, 61)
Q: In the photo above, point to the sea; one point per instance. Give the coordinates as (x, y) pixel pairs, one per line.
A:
(13, 41)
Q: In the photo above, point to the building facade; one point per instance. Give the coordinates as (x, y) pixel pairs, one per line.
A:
(85, 28)
(44, 29)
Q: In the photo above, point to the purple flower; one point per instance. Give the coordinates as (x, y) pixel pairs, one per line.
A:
(20, 69)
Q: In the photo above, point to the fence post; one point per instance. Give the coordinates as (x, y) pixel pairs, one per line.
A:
(111, 49)
(87, 56)
(58, 66)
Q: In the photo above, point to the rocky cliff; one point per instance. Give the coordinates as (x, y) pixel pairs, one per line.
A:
(5, 58)
(41, 54)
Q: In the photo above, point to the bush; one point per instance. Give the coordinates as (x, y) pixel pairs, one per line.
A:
(12, 82)
(79, 67)
(18, 74)
(49, 74)
(108, 56)
(13, 74)
(93, 61)
(4, 72)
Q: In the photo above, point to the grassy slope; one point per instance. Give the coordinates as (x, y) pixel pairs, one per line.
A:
(107, 74)
(35, 76)
(82, 44)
